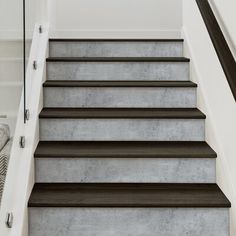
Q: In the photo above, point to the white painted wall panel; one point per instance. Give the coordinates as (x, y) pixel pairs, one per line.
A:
(225, 13)
(215, 99)
(115, 18)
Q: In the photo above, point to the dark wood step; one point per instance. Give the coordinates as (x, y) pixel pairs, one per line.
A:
(117, 149)
(127, 195)
(76, 83)
(112, 40)
(118, 59)
(124, 113)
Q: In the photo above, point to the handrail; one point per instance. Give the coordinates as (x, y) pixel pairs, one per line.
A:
(221, 46)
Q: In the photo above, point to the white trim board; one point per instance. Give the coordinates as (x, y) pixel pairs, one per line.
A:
(159, 34)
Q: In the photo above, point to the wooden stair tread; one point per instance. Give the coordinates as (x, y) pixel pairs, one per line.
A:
(118, 59)
(124, 113)
(127, 195)
(76, 83)
(121, 149)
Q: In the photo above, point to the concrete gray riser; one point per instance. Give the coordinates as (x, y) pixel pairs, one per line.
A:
(165, 189)
(120, 97)
(129, 221)
(118, 71)
(122, 129)
(116, 49)
(121, 170)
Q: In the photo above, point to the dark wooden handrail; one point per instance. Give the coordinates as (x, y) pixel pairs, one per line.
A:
(221, 46)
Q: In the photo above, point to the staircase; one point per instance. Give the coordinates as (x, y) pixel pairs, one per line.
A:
(122, 150)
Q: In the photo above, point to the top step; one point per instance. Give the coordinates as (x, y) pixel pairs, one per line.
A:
(116, 47)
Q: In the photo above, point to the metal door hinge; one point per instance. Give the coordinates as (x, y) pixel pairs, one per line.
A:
(9, 220)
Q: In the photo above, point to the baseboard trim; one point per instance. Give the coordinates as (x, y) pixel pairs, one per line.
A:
(160, 34)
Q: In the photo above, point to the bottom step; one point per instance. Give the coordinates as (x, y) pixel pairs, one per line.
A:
(128, 209)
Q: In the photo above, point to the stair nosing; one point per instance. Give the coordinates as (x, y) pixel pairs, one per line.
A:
(120, 195)
(118, 59)
(125, 156)
(118, 83)
(128, 206)
(108, 113)
(124, 149)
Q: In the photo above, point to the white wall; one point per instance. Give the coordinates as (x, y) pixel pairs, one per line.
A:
(225, 13)
(115, 18)
(90, 18)
(11, 17)
(11, 53)
(11, 80)
(215, 99)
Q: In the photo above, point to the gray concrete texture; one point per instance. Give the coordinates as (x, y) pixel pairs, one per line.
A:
(118, 71)
(164, 97)
(122, 129)
(116, 49)
(128, 222)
